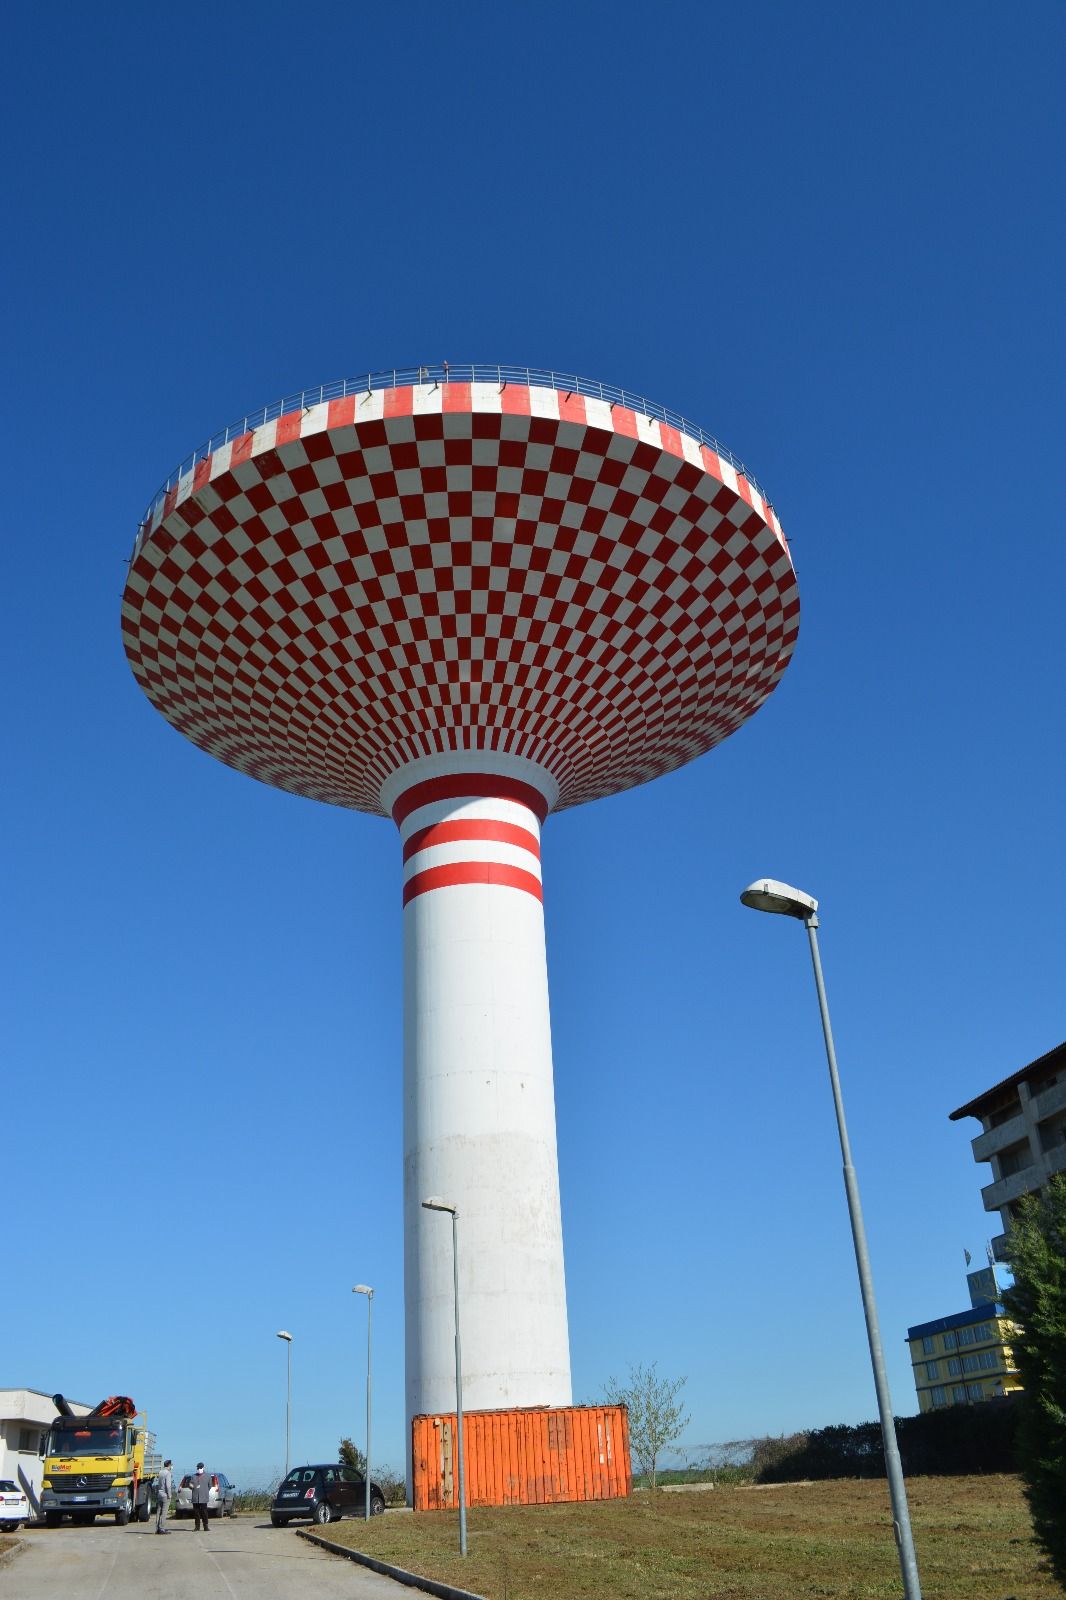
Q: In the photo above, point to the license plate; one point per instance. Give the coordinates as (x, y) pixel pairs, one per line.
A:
(289, 1494)
(80, 1497)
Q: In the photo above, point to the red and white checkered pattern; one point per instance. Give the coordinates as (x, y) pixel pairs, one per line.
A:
(421, 570)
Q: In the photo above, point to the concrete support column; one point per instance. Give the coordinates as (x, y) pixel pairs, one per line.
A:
(479, 1102)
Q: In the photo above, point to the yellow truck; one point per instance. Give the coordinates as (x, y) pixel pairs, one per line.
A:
(102, 1463)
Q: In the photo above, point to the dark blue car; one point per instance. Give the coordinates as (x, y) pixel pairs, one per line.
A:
(323, 1494)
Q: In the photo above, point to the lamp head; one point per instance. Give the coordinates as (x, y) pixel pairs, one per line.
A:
(768, 894)
(286, 1336)
(435, 1203)
(362, 1288)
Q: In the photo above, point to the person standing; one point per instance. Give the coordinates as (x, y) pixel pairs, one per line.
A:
(164, 1488)
(201, 1490)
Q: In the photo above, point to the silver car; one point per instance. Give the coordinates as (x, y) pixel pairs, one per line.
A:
(221, 1496)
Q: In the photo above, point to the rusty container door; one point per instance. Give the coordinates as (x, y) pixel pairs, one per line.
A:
(533, 1456)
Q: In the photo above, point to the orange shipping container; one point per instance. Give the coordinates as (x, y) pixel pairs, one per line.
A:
(534, 1456)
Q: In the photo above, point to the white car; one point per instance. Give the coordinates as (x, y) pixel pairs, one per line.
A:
(14, 1507)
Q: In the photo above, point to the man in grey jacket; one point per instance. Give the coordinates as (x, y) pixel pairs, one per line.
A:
(164, 1488)
(201, 1491)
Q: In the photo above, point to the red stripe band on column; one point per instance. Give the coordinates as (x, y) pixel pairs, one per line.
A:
(461, 872)
(470, 786)
(473, 828)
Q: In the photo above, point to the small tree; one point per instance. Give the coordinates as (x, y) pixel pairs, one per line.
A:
(656, 1416)
(392, 1484)
(1036, 1250)
(350, 1455)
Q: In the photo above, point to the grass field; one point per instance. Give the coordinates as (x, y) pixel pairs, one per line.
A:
(782, 1542)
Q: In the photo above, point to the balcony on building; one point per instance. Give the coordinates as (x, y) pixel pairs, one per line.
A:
(1023, 1133)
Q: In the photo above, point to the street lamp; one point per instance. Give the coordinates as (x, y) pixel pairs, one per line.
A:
(767, 894)
(435, 1203)
(364, 1288)
(288, 1395)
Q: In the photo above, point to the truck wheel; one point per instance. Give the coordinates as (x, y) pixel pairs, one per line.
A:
(124, 1512)
(144, 1510)
(53, 1518)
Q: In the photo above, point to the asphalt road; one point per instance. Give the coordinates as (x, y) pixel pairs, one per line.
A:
(242, 1558)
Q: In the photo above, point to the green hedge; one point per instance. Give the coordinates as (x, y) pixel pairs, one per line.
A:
(955, 1441)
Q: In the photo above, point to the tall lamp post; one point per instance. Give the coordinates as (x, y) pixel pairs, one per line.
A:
(766, 894)
(364, 1288)
(435, 1203)
(288, 1395)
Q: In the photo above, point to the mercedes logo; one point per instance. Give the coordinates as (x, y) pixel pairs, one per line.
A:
(82, 1482)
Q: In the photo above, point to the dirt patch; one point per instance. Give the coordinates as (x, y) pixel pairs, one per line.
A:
(10, 1545)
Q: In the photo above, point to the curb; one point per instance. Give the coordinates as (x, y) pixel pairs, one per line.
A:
(443, 1591)
(17, 1549)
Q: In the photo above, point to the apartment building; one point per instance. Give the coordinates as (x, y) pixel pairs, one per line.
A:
(966, 1357)
(1023, 1134)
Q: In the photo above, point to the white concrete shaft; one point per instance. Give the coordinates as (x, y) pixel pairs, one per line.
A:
(479, 1101)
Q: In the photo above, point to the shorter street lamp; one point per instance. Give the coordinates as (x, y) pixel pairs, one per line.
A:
(288, 1395)
(364, 1288)
(767, 894)
(435, 1203)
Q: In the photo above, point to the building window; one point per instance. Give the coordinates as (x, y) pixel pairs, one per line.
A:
(958, 1394)
(931, 1370)
(974, 1391)
(950, 1342)
(939, 1397)
(1016, 1159)
(954, 1367)
(982, 1360)
(29, 1440)
(1003, 1113)
(929, 1345)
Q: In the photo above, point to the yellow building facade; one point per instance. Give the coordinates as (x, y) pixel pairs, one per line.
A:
(962, 1359)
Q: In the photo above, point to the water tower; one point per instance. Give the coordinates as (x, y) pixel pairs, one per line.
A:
(464, 598)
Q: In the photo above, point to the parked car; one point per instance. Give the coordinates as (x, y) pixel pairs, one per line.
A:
(324, 1493)
(221, 1496)
(14, 1507)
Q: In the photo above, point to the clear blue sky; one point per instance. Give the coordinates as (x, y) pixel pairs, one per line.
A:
(832, 235)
